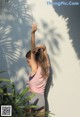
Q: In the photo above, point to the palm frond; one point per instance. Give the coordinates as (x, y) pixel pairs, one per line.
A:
(2, 71)
(4, 80)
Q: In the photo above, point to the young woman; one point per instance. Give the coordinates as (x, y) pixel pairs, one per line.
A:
(37, 59)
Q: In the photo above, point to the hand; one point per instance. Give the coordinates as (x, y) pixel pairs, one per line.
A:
(34, 28)
(35, 50)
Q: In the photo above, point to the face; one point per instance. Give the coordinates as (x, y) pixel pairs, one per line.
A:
(29, 62)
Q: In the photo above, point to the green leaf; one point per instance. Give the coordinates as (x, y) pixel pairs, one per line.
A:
(2, 71)
(13, 91)
(8, 94)
(9, 85)
(26, 99)
(28, 107)
(47, 113)
(4, 80)
(1, 91)
(0, 81)
(22, 94)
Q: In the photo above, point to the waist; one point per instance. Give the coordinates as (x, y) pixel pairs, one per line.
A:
(37, 89)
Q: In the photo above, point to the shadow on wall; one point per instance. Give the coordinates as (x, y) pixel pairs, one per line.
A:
(71, 12)
(51, 38)
(15, 23)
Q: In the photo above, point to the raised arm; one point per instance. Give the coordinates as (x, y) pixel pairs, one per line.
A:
(33, 46)
(34, 28)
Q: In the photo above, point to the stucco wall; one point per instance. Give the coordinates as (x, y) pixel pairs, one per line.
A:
(63, 88)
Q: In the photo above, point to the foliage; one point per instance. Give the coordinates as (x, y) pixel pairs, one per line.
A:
(17, 100)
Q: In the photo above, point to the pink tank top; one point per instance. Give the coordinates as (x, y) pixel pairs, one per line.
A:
(37, 83)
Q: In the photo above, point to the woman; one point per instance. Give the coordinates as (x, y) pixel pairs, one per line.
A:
(37, 59)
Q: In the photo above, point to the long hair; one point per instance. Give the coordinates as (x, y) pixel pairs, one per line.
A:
(41, 59)
(28, 54)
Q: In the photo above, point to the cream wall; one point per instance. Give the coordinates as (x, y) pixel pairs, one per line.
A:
(15, 25)
(64, 96)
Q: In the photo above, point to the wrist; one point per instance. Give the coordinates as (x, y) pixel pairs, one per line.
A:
(33, 32)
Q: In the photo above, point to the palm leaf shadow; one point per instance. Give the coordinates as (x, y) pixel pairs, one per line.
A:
(15, 23)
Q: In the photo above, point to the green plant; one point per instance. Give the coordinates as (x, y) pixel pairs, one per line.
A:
(17, 100)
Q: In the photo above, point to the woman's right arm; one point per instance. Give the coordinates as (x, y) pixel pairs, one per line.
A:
(33, 45)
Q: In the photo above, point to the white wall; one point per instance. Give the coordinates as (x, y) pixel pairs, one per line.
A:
(15, 26)
(64, 96)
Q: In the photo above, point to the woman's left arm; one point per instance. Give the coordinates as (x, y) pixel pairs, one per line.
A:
(43, 47)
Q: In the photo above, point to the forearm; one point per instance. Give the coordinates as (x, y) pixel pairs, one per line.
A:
(34, 28)
(32, 41)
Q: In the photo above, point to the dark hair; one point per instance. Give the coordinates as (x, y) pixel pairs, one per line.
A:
(41, 58)
(28, 55)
